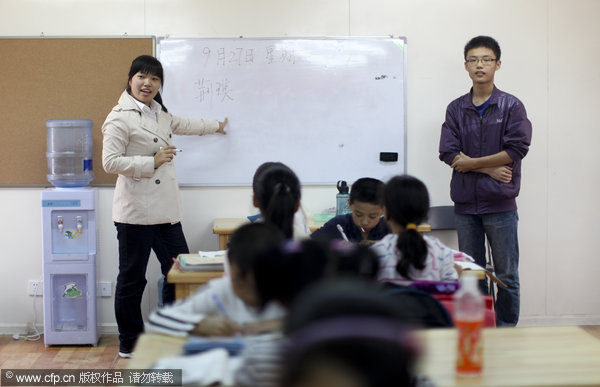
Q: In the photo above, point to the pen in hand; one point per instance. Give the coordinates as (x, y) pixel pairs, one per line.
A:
(341, 230)
(165, 155)
(220, 306)
(174, 149)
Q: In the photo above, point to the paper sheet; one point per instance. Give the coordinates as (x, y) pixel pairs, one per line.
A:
(212, 254)
(206, 368)
(205, 258)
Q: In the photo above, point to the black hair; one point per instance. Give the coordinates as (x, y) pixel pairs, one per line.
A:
(367, 190)
(483, 41)
(406, 202)
(284, 274)
(250, 240)
(349, 324)
(277, 191)
(261, 168)
(374, 362)
(147, 64)
(334, 297)
(351, 261)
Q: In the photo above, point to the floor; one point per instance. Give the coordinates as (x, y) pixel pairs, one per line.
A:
(34, 354)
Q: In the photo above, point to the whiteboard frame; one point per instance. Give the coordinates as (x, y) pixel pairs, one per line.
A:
(404, 40)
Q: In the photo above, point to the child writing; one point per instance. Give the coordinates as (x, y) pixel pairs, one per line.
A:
(406, 255)
(344, 333)
(283, 276)
(365, 224)
(228, 305)
(276, 193)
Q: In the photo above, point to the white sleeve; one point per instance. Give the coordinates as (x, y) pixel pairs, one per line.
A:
(181, 317)
(260, 361)
(116, 138)
(445, 256)
(192, 126)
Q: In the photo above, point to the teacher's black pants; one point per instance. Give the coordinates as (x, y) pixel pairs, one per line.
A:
(135, 242)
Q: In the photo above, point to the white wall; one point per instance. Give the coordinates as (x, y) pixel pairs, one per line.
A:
(551, 51)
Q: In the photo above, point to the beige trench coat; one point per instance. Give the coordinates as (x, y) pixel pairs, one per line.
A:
(144, 195)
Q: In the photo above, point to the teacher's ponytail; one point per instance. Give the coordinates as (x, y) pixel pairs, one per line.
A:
(158, 98)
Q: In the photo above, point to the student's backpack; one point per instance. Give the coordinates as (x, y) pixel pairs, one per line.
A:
(419, 308)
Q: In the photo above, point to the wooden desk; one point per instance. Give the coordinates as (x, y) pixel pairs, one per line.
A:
(152, 346)
(537, 356)
(187, 282)
(224, 227)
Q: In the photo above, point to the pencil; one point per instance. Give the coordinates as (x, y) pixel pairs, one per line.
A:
(220, 306)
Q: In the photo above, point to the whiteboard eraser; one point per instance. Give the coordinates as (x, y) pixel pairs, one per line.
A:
(388, 156)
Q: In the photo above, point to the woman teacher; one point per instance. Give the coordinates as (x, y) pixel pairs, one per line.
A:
(138, 146)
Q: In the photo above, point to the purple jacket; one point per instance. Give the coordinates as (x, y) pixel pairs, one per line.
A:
(504, 126)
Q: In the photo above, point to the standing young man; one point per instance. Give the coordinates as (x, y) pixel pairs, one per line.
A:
(484, 138)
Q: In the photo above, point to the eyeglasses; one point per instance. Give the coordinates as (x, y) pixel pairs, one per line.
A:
(486, 61)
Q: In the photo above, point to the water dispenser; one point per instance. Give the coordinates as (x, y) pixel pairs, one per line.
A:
(69, 265)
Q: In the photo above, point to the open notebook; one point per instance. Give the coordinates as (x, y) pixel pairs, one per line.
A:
(204, 368)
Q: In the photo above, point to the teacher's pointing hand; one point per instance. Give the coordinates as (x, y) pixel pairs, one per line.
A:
(222, 126)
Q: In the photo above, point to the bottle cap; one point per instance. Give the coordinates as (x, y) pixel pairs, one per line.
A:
(342, 186)
(468, 280)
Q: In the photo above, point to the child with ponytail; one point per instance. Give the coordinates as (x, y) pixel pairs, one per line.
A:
(276, 192)
(406, 255)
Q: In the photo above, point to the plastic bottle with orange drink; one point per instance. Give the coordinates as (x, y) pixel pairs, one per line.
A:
(469, 314)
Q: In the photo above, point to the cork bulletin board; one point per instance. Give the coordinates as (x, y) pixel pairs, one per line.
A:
(58, 78)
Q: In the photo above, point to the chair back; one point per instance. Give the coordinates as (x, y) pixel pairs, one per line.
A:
(442, 218)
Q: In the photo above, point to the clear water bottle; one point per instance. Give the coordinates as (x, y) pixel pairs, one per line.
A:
(69, 152)
(342, 206)
(469, 314)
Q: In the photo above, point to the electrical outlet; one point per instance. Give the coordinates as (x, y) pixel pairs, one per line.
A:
(35, 288)
(104, 289)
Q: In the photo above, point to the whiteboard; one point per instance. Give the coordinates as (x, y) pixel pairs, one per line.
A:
(326, 107)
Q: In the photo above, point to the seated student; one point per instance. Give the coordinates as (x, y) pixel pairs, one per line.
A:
(406, 255)
(365, 224)
(227, 305)
(344, 334)
(276, 193)
(283, 276)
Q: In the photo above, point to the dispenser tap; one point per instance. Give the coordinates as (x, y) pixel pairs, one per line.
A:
(60, 223)
(79, 223)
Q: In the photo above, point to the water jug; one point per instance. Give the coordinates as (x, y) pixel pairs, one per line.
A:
(69, 152)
